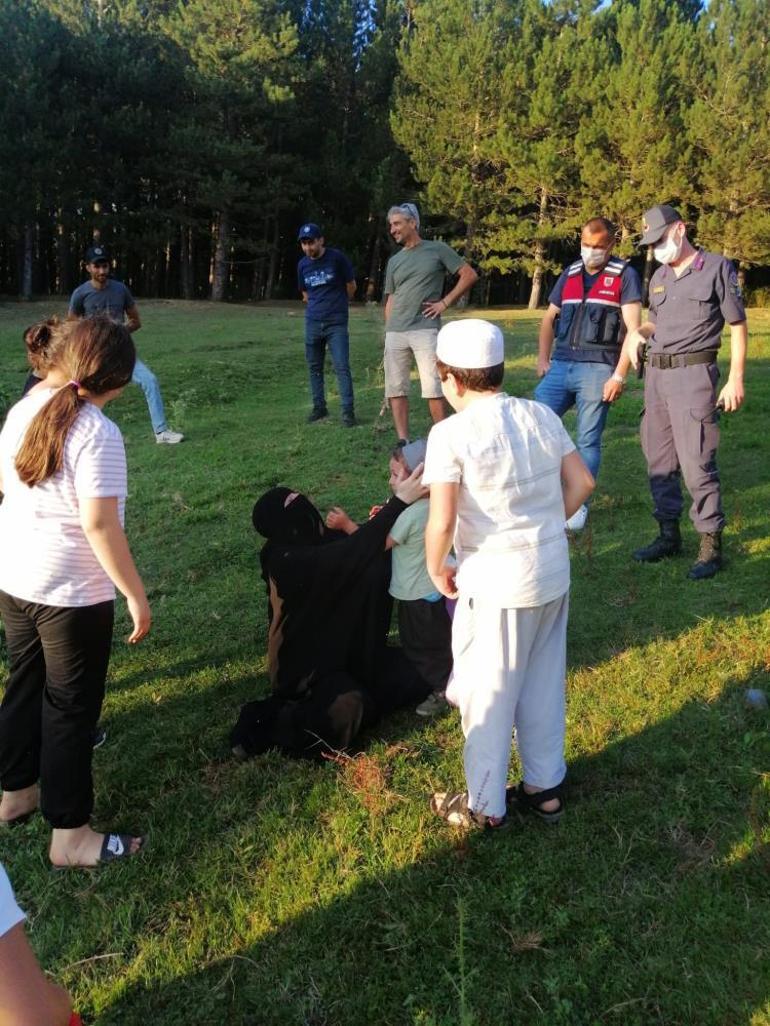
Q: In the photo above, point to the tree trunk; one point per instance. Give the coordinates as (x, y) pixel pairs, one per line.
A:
(272, 264)
(740, 269)
(537, 277)
(539, 254)
(219, 268)
(648, 261)
(27, 260)
(186, 263)
(167, 269)
(257, 279)
(63, 282)
(372, 281)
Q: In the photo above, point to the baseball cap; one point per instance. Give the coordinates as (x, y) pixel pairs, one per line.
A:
(309, 231)
(655, 221)
(414, 453)
(96, 253)
(470, 343)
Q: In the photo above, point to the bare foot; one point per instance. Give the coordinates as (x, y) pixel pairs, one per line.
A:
(18, 803)
(83, 846)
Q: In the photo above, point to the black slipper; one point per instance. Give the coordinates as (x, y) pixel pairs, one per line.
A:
(118, 846)
(114, 847)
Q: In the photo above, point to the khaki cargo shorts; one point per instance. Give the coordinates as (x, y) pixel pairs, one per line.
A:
(399, 348)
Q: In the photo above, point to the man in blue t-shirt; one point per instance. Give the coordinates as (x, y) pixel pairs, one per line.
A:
(103, 295)
(596, 300)
(327, 282)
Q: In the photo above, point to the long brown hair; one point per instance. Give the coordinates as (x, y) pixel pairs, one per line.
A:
(97, 355)
(42, 341)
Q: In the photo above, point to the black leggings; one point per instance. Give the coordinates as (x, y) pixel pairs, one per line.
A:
(58, 658)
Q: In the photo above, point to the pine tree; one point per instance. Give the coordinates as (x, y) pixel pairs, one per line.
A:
(242, 55)
(447, 102)
(729, 128)
(545, 100)
(632, 147)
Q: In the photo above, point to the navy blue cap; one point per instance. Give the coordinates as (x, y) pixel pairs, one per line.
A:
(655, 222)
(94, 254)
(309, 231)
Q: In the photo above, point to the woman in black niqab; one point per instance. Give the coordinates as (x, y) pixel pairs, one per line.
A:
(329, 613)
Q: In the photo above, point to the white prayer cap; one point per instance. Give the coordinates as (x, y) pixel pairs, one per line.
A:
(470, 343)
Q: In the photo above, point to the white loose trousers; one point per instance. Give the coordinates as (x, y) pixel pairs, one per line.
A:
(510, 671)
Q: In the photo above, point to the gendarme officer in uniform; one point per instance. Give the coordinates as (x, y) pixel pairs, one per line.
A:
(692, 295)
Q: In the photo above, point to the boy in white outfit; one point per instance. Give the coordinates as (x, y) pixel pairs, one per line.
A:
(504, 475)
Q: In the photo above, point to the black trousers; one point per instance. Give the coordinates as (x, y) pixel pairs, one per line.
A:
(58, 660)
(425, 632)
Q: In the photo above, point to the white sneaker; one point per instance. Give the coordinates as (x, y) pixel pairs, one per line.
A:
(578, 519)
(168, 437)
(434, 703)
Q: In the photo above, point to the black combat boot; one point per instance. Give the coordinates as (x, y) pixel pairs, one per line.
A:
(668, 543)
(709, 557)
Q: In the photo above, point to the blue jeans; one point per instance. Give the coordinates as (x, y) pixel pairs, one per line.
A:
(319, 334)
(146, 380)
(571, 383)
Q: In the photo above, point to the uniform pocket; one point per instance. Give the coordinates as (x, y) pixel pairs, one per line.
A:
(643, 429)
(593, 325)
(703, 433)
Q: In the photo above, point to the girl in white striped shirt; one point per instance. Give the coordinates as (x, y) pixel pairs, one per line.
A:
(63, 552)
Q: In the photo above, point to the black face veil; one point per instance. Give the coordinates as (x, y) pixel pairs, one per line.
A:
(287, 517)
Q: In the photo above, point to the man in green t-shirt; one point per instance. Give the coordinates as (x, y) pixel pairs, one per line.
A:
(414, 281)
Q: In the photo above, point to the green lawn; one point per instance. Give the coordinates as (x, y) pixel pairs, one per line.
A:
(277, 892)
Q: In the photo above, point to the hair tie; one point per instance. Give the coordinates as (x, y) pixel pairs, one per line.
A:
(75, 384)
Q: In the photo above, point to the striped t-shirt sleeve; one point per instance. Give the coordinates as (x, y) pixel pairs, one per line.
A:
(100, 470)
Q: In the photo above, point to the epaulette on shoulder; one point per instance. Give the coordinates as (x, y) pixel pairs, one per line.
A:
(615, 266)
(575, 268)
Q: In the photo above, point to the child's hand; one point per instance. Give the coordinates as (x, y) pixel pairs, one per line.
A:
(139, 609)
(445, 581)
(338, 520)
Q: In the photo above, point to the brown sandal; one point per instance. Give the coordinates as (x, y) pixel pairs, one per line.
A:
(453, 808)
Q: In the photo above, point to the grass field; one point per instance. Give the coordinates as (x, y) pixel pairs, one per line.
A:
(278, 892)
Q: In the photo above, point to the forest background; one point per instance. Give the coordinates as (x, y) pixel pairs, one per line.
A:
(194, 136)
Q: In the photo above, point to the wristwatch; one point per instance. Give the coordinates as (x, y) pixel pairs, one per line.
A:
(618, 377)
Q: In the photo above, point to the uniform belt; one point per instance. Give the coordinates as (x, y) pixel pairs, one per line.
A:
(665, 361)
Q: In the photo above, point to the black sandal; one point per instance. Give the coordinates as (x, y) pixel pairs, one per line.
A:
(523, 801)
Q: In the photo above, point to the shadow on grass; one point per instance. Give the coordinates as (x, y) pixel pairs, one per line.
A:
(648, 904)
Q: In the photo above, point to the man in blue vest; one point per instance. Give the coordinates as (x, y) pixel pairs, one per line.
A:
(596, 300)
(327, 282)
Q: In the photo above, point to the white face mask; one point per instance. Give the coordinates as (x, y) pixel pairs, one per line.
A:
(592, 257)
(667, 252)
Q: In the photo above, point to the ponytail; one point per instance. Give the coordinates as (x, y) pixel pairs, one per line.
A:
(98, 355)
(42, 452)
